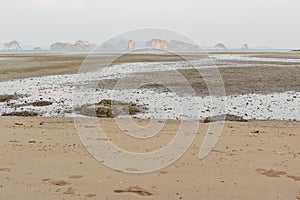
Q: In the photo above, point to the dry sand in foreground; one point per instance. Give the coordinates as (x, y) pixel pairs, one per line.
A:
(43, 158)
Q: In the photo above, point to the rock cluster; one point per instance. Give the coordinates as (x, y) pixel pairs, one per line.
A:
(220, 46)
(157, 44)
(108, 108)
(7, 97)
(42, 103)
(79, 45)
(107, 47)
(21, 114)
(131, 45)
(13, 45)
(124, 44)
(181, 46)
(226, 117)
(245, 47)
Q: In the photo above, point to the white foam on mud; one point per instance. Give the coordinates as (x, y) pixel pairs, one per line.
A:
(241, 57)
(168, 105)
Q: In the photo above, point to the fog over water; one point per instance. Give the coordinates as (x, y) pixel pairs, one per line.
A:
(269, 23)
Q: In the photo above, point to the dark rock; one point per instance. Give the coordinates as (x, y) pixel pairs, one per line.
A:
(106, 102)
(108, 108)
(41, 103)
(227, 117)
(18, 124)
(133, 110)
(255, 131)
(7, 97)
(21, 114)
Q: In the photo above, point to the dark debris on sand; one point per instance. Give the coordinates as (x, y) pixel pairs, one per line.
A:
(226, 117)
(41, 103)
(21, 114)
(7, 97)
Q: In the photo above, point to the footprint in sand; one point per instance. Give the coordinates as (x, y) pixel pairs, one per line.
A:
(270, 173)
(135, 189)
(75, 177)
(163, 172)
(61, 183)
(90, 195)
(5, 169)
(273, 173)
(57, 183)
(70, 190)
(296, 178)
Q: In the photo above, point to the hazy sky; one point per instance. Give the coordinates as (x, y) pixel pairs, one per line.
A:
(271, 23)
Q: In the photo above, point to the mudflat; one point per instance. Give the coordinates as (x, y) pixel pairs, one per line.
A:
(24, 65)
(239, 76)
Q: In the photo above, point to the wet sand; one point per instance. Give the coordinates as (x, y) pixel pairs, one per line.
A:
(24, 65)
(237, 80)
(43, 158)
(259, 77)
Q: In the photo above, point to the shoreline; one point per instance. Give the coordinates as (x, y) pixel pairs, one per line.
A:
(142, 119)
(19, 66)
(256, 87)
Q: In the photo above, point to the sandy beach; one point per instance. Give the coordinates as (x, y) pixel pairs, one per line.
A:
(43, 157)
(149, 100)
